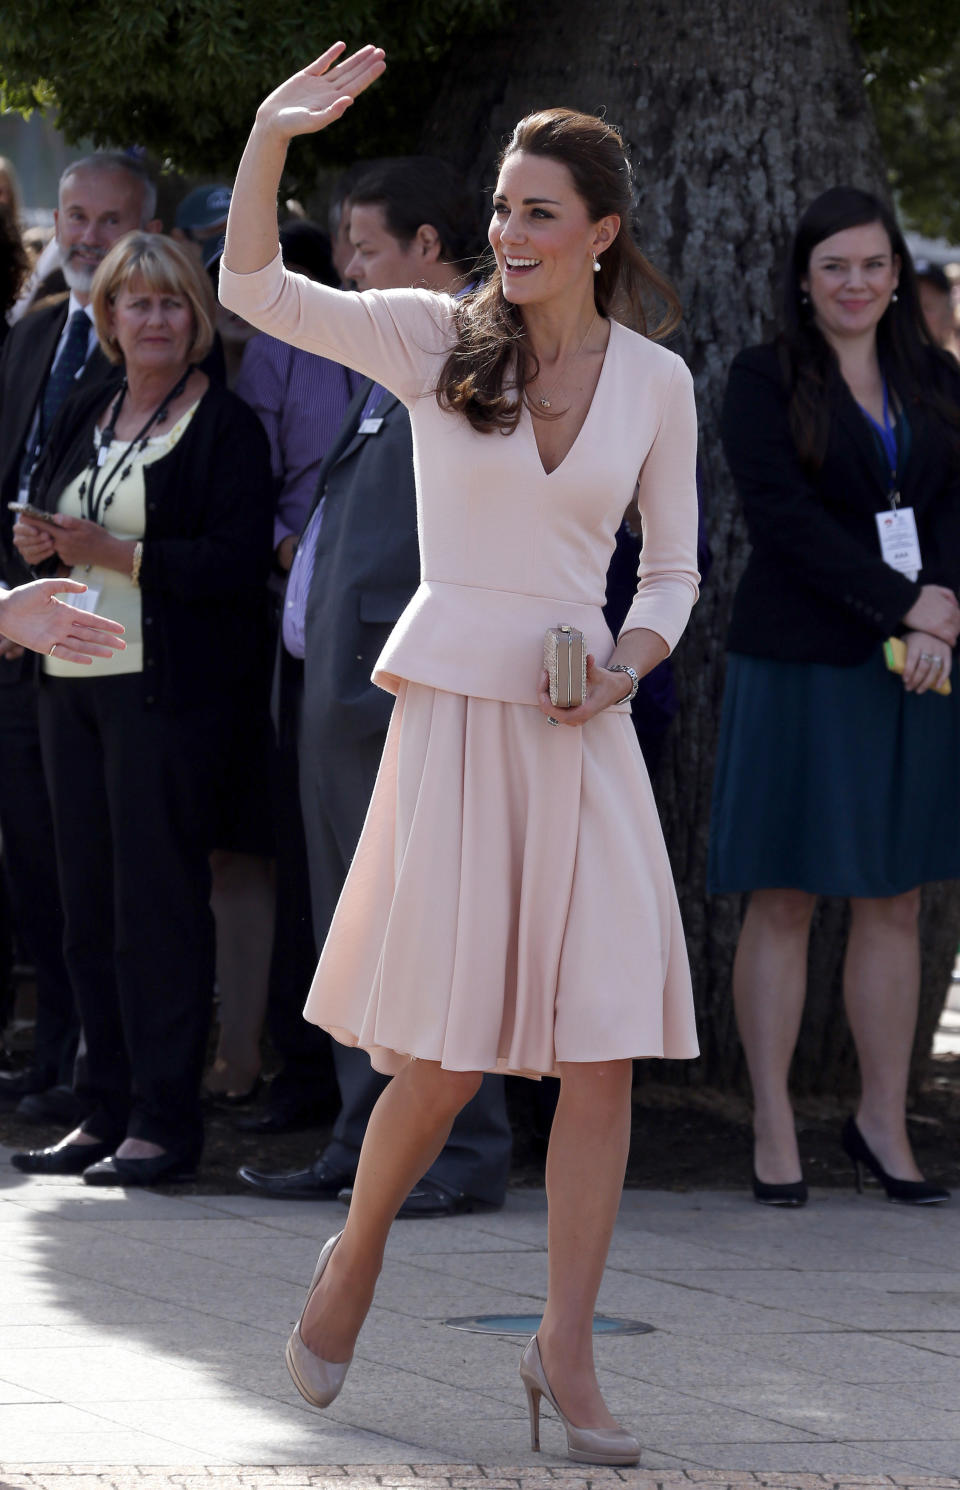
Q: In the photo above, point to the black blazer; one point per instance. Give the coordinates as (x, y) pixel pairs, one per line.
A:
(815, 588)
(366, 569)
(207, 544)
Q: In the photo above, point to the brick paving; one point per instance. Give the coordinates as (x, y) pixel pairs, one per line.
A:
(439, 1477)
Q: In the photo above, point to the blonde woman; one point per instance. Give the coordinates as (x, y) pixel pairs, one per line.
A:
(154, 485)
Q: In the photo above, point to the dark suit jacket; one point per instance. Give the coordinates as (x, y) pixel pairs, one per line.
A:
(367, 567)
(24, 365)
(815, 588)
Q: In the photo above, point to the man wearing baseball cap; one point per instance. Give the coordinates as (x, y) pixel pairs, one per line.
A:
(200, 220)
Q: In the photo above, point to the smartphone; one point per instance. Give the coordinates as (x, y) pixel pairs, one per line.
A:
(27, 509)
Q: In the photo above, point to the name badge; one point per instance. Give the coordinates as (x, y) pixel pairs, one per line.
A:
(369, 426)
(85, 601)
(899, 543)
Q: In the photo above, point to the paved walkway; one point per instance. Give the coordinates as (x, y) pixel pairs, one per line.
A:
(141, 1345)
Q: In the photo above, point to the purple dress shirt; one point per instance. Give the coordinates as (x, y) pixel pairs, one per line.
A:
(301, 570)
(301, 400)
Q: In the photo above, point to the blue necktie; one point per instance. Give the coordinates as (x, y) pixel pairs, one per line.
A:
(60, 381)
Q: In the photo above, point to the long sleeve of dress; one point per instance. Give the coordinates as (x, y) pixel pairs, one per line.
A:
(393, 336)
(667, 498)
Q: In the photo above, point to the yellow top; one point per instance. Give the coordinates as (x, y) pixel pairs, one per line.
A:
(109, 592)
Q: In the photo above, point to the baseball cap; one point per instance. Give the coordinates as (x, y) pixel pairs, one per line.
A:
(213, 253)
(203, 207)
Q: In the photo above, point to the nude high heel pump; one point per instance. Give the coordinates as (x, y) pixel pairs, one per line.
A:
(584, 1445)
(317, 1381)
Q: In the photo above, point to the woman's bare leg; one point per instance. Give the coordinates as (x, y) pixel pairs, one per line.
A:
(586, 1160)
(769, 988)
(408, 1127)
(881, 989)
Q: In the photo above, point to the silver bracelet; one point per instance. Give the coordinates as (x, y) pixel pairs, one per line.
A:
(622, 667)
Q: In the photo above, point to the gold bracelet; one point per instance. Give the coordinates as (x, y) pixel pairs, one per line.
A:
(135, 566)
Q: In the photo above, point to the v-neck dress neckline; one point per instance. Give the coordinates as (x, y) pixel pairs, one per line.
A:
(531, 418)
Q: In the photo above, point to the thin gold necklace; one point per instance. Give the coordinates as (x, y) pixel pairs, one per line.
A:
(544, 399)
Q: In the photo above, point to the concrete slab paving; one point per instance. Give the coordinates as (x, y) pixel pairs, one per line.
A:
(141, 1344)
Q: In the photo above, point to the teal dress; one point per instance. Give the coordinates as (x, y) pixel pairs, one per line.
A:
(834, 780)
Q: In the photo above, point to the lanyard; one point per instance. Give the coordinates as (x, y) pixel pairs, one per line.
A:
(888, 439)
(88, 491)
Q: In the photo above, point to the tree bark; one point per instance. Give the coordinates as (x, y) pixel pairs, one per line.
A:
(735, 117)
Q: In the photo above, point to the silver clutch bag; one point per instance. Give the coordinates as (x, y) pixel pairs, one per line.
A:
(565, 659)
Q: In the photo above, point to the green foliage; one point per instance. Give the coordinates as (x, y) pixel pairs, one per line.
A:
(184, 78)
(911, 56)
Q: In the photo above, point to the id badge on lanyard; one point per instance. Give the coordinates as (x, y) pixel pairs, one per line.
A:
(896, 526)
(899, 541)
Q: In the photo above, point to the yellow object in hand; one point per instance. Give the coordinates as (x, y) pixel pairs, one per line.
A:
(895, 655)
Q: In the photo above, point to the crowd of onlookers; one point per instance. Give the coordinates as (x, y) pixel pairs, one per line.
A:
(177, 821)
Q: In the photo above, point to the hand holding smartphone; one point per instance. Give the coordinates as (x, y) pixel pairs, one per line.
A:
(35, 514)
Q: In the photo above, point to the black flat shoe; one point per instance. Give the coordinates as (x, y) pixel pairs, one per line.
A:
(320, 1182)
(786, 1195)
(61, 1158)
(904, 1192)
(158, 1169)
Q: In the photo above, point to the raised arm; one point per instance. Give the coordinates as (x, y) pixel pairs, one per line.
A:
(391, 336)
(306, 103)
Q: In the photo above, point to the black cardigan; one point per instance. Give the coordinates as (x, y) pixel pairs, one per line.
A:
(815, 588)
(207, 544)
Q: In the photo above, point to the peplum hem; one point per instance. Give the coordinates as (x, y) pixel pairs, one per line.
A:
(510, 905)
(488, 644)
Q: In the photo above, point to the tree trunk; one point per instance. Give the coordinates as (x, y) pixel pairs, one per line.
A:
(735, 116)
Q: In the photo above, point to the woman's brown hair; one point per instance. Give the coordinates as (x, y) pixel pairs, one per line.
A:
(486, 373)
(905, 347)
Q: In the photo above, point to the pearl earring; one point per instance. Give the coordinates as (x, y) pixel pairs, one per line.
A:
(894, 297)
(596, 265)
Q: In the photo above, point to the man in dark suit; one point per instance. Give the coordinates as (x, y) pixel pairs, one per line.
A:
(48, 355)
(357, 567)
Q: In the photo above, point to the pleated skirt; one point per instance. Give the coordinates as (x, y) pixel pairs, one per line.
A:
(833, 780)
(510, 905)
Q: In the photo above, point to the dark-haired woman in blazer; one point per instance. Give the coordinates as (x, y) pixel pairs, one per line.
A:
(836, 776)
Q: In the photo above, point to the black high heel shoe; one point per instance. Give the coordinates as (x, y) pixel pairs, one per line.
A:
(793, 1195)
(906, 1192)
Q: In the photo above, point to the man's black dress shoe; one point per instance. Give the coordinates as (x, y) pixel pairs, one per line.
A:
(58, 1104)
(159, 1169)
(62, 1158)
(17, 1084)
(320, 1182)
(277, 1119)
(430, 1198)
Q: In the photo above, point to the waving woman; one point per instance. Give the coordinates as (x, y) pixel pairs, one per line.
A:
(534, 927)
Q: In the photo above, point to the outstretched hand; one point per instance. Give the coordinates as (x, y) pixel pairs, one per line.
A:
(320, 93)
(33, 617)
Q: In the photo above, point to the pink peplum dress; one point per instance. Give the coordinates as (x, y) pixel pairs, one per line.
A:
(510, 905)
